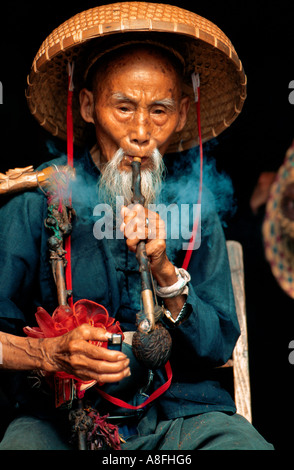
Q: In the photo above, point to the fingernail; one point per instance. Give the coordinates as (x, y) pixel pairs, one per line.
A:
(126, 363)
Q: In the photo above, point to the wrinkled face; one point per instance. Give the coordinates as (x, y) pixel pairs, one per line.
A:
(136, 105)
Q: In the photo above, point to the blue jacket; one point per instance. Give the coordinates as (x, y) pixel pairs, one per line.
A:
(106, 272)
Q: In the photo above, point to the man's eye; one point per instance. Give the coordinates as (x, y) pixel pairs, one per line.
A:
(124, 109)
(158, 111)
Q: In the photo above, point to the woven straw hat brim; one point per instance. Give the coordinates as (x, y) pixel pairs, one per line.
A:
(276, 243)
(205, 48)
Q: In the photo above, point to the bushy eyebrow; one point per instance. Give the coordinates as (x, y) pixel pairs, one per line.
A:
(168, 103)
(121, 97)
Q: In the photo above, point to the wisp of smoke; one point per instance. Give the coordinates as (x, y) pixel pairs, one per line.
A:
(181, 187)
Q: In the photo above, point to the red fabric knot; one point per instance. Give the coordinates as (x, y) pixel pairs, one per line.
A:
(65, 319)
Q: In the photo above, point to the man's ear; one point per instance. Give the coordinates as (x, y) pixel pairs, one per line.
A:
(184, 108)
(87, 105)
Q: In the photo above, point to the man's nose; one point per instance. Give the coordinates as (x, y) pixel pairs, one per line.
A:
(140, 132)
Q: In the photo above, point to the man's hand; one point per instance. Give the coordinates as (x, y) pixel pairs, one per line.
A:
(71, 353)
(135, 229)
(74, 354)
(153, 233)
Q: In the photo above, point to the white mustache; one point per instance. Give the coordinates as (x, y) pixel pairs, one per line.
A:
(115, 183)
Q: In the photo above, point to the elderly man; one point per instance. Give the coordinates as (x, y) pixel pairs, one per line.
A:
(134, 98)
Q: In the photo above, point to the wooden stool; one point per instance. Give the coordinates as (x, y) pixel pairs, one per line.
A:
(240, 360)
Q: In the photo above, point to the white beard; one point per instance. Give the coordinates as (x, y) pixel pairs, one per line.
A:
(114, 183)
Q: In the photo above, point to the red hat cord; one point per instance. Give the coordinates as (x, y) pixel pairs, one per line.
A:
(70, 162)
(191, 245)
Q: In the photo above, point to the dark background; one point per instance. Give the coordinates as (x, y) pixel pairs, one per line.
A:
(263, 36)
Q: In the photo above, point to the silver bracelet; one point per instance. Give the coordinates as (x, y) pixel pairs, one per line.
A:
(180, 316)
(180, 287)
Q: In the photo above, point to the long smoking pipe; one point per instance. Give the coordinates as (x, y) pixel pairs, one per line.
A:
(21, 179)
(62, 215)
(142, 258)
(151, 342)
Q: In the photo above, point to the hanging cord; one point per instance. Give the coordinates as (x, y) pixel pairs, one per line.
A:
(70, 152)
(151, 398)
(196, 87)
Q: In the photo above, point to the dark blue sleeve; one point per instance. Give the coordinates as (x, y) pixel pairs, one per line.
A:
(209, 334)
(21, 221)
